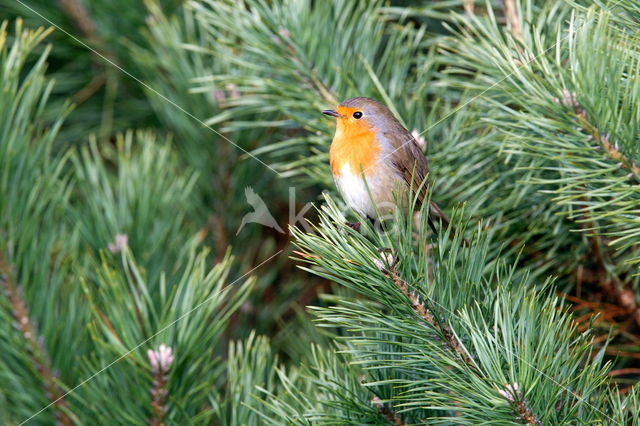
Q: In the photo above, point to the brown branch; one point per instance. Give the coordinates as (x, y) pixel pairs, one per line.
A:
(312, 80)
(624, 371)
(569, 100)
(615, 153)
(611, 284)
(160, 361)
(526, 414)
(224, 184)
(221, 237)
(215, 224)
(514, 396)
(468, 7)
(625, 297)
(81, 19)
(158, 397)
(78, 13)
(450, 339)
(35, 346)
(89, 90)
(513, 20)
(108, 324)
(387, 413)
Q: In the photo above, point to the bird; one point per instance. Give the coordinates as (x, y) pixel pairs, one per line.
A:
(373, 158)
(260, 213)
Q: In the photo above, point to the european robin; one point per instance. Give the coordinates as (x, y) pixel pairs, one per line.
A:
(371, 145)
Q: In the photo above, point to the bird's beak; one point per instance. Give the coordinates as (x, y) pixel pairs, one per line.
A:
(331, 113)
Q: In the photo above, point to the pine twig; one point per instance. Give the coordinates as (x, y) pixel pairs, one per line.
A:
(526, 414)
(513, 20)
(312, 79)
(468, 7)
(35, 345)
(450, 339)
(469, 11)
(215, 225)
(90, 89)
(625, 297)
(80, 16)
(160, 361)
(390, 415)
(615, 154)
(514, 396)
(570, 100)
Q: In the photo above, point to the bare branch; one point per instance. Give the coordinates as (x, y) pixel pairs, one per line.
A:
(387, 413)
(468, 7)
(78, 13)
(513, 20)
(450, 339)
(35, 345)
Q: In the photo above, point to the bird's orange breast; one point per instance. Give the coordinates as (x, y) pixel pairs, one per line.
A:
(355, 145)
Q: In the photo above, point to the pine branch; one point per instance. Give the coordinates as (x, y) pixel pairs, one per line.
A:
(81, 18)
(625, 297)
(514, 396)
(612, 149)
(160, 361)
(570, 100)
(449, 337)
(468, 7)
(546, 143)
(291, 76)
(90, 89)
(79, 14)
(387, 413)
(513, 20)
(35, 344)
(311, 78)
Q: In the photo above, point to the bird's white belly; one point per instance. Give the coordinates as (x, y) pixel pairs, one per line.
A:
(374, 197)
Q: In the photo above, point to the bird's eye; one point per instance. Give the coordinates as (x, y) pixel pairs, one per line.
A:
(357, 115)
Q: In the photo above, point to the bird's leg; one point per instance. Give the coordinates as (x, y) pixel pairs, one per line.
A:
(353, 225)
(357, 225)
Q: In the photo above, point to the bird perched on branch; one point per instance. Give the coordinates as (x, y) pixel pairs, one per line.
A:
(371, 144)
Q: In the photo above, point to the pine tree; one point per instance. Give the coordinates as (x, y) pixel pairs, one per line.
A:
(128, 298)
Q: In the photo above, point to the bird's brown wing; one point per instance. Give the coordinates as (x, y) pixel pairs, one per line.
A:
(410, 161)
